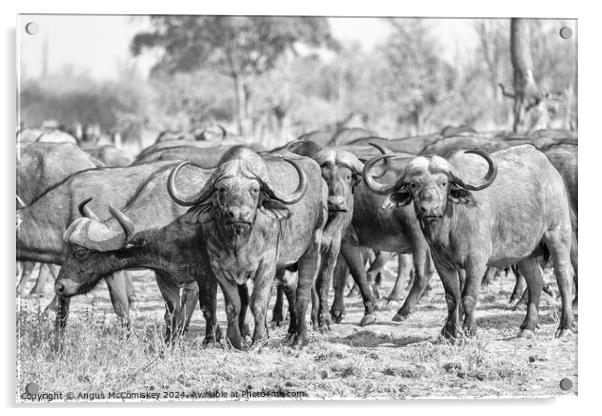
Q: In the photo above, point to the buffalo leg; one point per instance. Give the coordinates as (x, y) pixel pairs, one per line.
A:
(206, 287)
(375, 270)
(352, 255)
(451, 284)
(232, 300)
(329, 261)
(171, 297)
(341, 271)
(421, 280)
(118, 293)
(46, 272)
(574, 262)
(559, 242)
(519, 287)
(404, 271)
(259, 301)
(315, 306)
(129, 288)
(531, 272)
(278, 310)
(243, 294)
(27, 268)
(308, 270)
(476, 269)
(289, 286)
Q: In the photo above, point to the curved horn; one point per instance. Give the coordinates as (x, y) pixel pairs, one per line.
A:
(301, 187)
(224, 132)
(179, 198)
(126, 223)
(487, 180)
(387, 162)
(374, 186)
(85, 211)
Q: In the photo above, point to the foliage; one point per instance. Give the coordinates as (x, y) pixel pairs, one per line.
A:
(286, 76)
(240, 47)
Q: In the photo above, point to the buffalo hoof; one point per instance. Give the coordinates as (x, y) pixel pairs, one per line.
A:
(210, 343)
(324, 327)
(337, 316)
(259, 344)
(289, 338)
(563, 333)
(520, 306)
(298, 343)
(399, 317)
(245, 331)
(133, 302)
(451, 334)
(238, 344)
(368, 319)
(526, 333)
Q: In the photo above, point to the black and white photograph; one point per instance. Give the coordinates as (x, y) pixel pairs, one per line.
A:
(234, 207)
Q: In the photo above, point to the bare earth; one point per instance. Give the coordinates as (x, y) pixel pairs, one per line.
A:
(386, 360)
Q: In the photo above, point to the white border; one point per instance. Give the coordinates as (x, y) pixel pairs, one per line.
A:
(590, 37)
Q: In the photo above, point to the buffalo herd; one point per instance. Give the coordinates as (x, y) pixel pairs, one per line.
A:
(211, 209)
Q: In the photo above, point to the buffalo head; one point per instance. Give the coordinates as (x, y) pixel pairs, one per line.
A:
(341, 171)
(85, 239)
(430, 182)
(239, 187)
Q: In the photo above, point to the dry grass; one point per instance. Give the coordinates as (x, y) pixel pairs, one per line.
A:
(384, 360)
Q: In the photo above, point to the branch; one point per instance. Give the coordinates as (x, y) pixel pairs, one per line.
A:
(506, 93)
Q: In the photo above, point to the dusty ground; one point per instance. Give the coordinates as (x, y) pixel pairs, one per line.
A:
(383, 360)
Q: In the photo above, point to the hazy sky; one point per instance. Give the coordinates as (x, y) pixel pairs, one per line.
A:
(98, 44)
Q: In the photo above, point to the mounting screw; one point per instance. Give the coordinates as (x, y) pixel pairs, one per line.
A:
(566, 384)
(32, 28)
(566, 32)
(32, 388)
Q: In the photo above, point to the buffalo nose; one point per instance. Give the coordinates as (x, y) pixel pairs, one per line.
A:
(238, 213)
(337, 202)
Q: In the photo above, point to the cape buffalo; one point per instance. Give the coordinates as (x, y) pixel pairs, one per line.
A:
(41, 165)
(147, 233)
(503, 220)
(43, 222)
(253, 228)
(109, 155)
(378, 229)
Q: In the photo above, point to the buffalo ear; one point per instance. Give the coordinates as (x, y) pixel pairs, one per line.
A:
(459, 195)
(274, 209)
(401, 197)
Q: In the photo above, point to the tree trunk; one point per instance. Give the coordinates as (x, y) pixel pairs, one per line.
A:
(241, 105)
(526, 92)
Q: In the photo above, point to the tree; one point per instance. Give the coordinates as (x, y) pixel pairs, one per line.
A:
(493, 49)
(527, 96)
(240, 47)
(416, 81)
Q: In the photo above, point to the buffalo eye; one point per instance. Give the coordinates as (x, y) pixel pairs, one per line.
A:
(413, 185)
